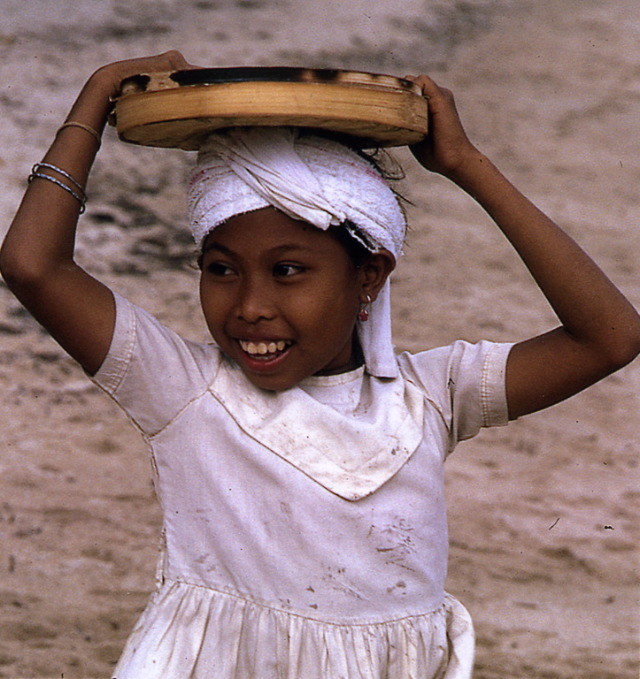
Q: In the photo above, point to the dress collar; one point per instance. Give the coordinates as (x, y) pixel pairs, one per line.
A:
(351, 455)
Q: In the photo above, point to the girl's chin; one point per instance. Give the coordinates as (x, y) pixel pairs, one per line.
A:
(267, 371)
(263, 364)
(279, 371)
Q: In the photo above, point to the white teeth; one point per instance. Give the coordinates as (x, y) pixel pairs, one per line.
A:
(263, 348)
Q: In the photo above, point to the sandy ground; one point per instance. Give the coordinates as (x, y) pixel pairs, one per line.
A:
(542, 523)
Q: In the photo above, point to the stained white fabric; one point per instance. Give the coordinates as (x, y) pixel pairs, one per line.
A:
(267, 573)
(174, 639)
(309, 178)
(350, 456)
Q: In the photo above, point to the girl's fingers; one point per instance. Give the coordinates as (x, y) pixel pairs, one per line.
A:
(439, 98)
(116, 72)
(447, 143)
(427, 85)
(177, 61)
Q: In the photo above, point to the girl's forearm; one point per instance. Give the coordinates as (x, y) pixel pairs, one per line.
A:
(600, 330)
(591, 309)
(42, 234)
(41, 237)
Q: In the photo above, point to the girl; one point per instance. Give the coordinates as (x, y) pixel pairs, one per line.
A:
(299, 461)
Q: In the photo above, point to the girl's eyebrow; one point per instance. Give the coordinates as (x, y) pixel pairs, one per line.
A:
(288, 247)
(278, 249)
(216, 246)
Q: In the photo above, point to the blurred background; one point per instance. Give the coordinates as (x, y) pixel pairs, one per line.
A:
(544, 542)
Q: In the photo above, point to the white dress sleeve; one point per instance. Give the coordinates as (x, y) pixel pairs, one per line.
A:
(152, 372)
(465, 382)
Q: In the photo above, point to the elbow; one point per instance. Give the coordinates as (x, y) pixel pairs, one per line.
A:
(13, 270)
(625, 347)
(9, 267)
(19, 271)
(632, 351)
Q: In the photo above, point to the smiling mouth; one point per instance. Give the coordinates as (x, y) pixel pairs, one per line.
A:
(264, 350)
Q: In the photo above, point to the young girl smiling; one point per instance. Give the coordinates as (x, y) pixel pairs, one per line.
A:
(280, 297)
(299, 461)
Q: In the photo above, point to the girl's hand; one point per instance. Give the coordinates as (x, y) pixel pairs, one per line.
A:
(109, 77)
(447, 147)
(94, 102)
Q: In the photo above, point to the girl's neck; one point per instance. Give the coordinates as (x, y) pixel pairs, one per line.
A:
(355, 361)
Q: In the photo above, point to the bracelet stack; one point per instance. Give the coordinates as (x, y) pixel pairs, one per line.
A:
(71, 185)
(77, 192)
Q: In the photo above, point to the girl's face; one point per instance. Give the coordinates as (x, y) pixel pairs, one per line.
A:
(280, 297)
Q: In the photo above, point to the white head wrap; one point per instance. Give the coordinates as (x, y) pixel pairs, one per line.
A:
(309, 178)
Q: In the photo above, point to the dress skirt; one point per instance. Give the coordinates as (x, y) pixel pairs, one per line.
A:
(194, 632)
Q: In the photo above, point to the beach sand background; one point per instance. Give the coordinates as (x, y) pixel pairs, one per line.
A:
(544, 542)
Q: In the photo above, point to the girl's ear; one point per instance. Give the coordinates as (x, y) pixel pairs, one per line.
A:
(375, 271)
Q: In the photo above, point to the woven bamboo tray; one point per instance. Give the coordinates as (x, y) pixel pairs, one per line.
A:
(179, 109)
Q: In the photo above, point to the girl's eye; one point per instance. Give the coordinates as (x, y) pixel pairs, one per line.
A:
(287, 270)
(219, 269)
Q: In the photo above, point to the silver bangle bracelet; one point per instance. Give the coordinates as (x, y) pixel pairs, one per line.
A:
(79, 186)
(40, 175)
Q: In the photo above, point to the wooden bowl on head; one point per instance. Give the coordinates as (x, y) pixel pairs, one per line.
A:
(179, 109)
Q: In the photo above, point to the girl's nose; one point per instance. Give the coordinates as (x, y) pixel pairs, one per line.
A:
(255, 302)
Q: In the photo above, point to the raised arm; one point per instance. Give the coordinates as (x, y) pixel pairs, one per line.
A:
(37, 256)
(600, 330)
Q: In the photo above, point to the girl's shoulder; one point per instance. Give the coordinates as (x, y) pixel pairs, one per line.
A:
(462, 378)
(151, 371)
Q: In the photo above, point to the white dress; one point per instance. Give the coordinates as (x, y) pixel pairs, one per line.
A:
(273, 566)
